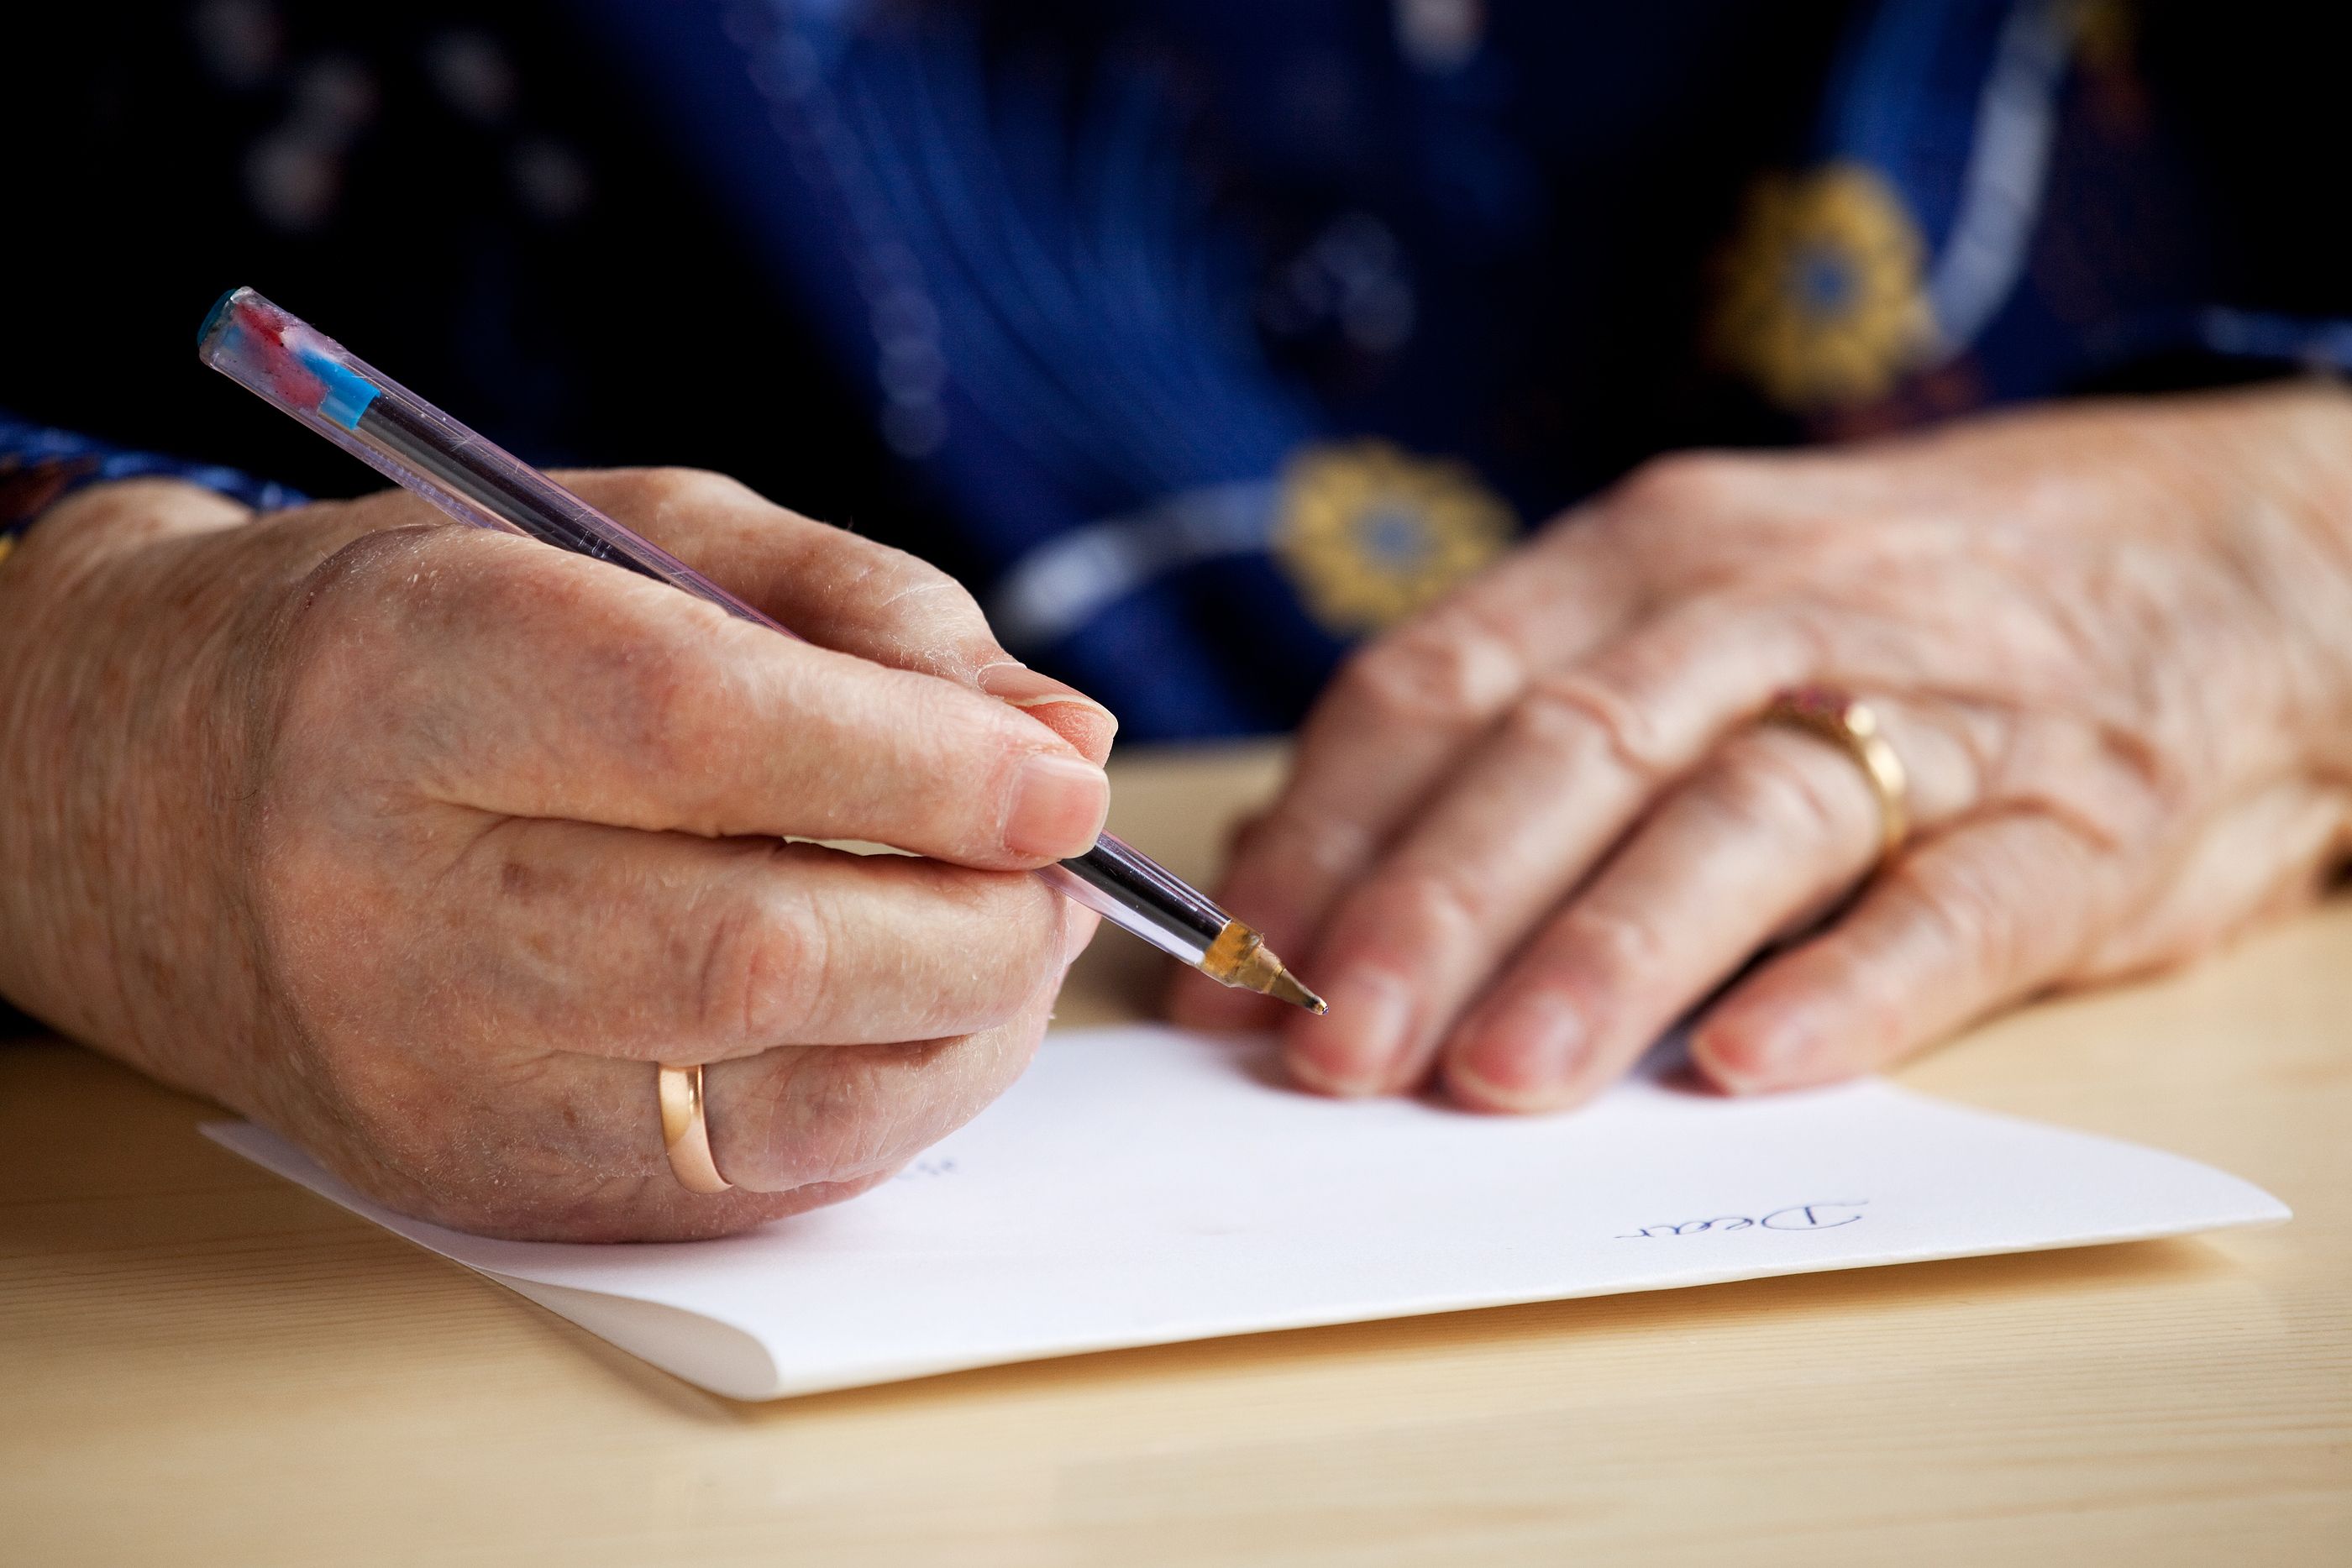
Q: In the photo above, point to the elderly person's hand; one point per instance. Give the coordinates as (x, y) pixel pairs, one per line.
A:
(2111, 642)
(423, 844)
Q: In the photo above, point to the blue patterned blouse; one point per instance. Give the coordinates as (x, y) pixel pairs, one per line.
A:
(1203, 337)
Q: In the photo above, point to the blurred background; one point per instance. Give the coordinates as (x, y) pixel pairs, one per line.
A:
(1202, 337)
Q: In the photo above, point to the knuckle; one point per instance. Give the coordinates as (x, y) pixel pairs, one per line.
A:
(952, 608)
(1616, 944)
(897, 575)
(1571, 713)
(1964, 904)
(834, 1116)
(1679, 483)
(935, 614)
(323, 651)
(351, 576)
(852, 1114)
(1018, 922)
(1038, 918)
(1440, 670)
(760, 971)
(663, 489)
(1788, 786)
(1436, 909)
(654, 500)
(1289, 835)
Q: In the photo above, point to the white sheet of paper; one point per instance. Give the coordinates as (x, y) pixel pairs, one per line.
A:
(1142, 1186)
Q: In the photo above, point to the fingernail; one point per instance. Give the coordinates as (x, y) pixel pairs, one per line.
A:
(1746, 1061)
(1354, 1048)
(1059, 807)
(1018, 685)
(1525, 1055)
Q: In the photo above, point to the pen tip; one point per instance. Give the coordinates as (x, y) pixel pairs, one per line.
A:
(1286, 987)
(1239, 958)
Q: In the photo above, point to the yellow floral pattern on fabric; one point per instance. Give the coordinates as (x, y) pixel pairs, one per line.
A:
(1823, 305)
(1369, 533)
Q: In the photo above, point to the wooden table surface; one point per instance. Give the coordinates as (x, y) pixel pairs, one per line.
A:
(201, 1364)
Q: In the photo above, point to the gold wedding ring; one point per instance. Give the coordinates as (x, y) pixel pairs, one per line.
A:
(1846, 722)
(686, 1135)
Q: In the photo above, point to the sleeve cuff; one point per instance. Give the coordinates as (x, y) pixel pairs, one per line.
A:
(39, 466)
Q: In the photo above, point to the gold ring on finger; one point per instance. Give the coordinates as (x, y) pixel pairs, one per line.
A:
(1847, 722)
(686, 1129)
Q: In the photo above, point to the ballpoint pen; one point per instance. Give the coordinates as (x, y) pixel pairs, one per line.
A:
(306, 374)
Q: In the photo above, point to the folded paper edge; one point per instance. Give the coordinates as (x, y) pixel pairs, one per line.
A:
(731, 1360)
(706, 1352)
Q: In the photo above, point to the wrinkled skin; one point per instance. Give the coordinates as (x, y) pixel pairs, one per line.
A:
(421, 845)
(2112, 642)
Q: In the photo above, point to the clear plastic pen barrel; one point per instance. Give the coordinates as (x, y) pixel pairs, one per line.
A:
(367, 413)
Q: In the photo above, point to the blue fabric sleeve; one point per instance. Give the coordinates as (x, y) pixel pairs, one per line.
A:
(39, 466)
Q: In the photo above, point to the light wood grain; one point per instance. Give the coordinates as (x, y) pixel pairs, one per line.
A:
(200, 1363)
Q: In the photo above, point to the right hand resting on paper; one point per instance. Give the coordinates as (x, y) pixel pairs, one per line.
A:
(421, 845)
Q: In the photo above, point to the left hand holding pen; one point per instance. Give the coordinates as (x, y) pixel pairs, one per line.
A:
(2110, 644)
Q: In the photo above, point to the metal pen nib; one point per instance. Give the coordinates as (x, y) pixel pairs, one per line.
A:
(1286, 988)
(1239, 958)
